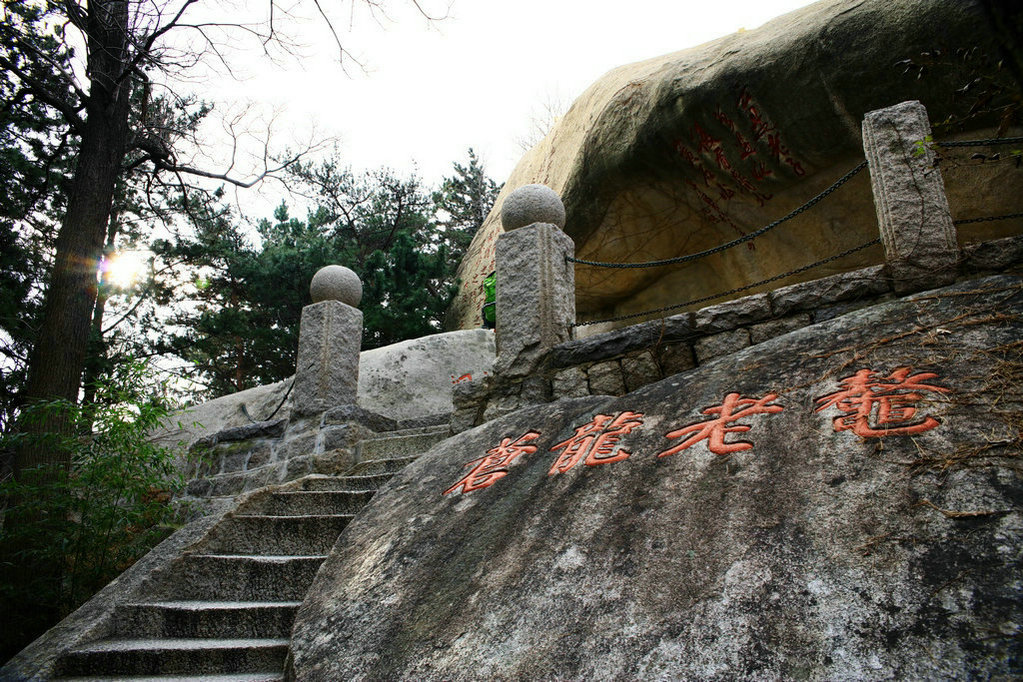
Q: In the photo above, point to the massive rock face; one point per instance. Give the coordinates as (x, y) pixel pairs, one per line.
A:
(842, 502)
(690, 150)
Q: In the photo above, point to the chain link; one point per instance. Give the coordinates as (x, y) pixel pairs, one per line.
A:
(735, 242)
(736, 290)
(988, 219)
(980, 143)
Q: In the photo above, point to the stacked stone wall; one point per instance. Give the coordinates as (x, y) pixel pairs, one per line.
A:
(622, 360)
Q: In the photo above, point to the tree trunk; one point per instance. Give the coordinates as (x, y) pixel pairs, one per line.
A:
(55, 370)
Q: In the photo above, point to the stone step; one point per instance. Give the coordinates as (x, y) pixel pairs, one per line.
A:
(313, 502)
(226, 577)
(227, 677)
(376, 467)
(349, 483)
(276, 535)
(392, 445)
(192, 656)
(179, 619)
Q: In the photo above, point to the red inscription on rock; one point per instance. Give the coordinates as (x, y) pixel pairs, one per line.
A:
(714, 431)
(492, 467)
(877, 405)
(597, 441)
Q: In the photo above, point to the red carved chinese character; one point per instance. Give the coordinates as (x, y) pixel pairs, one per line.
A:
(721, 159)
(761, 171)
(597, 441)
(705, 141)
(723, 119)
(714, 431)
(494, 466)
(746, 149)
(888, 401)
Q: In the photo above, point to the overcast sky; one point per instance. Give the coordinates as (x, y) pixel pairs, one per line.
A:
(477, 78)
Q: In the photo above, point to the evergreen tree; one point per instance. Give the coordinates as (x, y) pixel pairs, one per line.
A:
(463, 203)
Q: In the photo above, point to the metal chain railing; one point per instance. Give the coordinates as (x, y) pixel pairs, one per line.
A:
(980, 143)
(736, 290)
(988, 219)
(735, 242)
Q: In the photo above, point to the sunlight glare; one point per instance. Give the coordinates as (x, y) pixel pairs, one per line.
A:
(124, 268)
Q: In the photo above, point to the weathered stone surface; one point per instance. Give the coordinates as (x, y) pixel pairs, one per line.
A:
(759, 333)
(732, 314)
(355, 415)
(629, 158)
(995, 255)
(606, 378)
(259, 454)
(815, 554)
(639, 370)
(676, 357)
(864, 283)
(909, 196)
(535, 296)
(327, 371)
(718, 345)
(344, 436)
(570, 383)
(302, 444)
(415, 378)
(336, 283)
(531, 204)
(620, 341)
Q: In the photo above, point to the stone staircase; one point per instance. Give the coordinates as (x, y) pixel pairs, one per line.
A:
(225, 608)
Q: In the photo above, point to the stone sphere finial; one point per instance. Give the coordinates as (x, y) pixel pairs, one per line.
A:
(336, 283)
(532, 204)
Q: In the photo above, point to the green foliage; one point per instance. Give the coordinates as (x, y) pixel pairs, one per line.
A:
(68, 531)
(240, 326)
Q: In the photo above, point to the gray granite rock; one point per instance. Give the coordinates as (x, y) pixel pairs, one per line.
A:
(620, 341)
(535, 297)
(909, 195)
(812, 554)
(336, 283)
(570, 383)
(531, 204)
(676, 357)
(759, 333)
(327, 369)
(719, 345)
(732, 314)
(606, 378)
(995, 255)
(639, 370)
(864, 283)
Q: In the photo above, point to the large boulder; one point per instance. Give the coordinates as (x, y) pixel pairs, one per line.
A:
(862, 520)
(687, 151)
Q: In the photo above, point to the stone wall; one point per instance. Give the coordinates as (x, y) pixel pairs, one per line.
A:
(622, 360)
(245, 458)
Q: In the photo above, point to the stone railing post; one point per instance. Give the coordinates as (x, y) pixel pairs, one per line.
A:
(909, 196)
(535, 282)
(329, 340)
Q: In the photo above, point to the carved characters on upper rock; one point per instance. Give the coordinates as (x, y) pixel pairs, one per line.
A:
(873, 405)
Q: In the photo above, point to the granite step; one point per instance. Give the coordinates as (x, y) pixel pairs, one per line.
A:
(277, 535)
(376, 467)
(400, 444)
(191, 656)
(313, 502)
(227, 577)
(202, 618)
(227, 677)
(347, 483)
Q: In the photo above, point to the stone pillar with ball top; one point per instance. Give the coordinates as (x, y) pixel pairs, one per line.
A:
(535, 281)
(916, 226)
(329, 340)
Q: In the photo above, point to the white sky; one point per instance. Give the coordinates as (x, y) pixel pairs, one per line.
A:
(475, 79)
